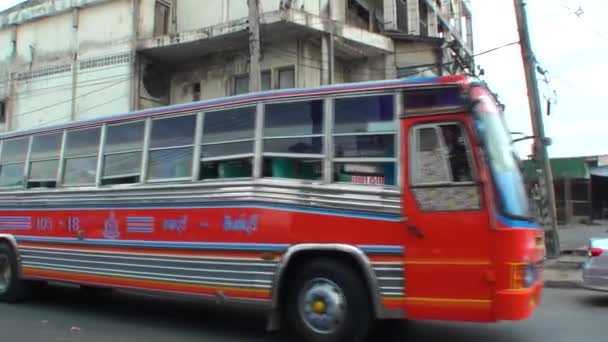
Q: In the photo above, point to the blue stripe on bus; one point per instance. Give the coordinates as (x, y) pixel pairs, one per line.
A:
(139, 230)
(518, 223)
(265, 247)
(15, 227)
(15, 218)
(253, 205)
(140, 219)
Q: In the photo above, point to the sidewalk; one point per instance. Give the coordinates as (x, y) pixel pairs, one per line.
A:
(565, 271)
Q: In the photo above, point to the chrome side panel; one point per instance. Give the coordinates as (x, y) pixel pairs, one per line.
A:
(240, 273)
(332, 196)
(376, 291)
(390, 277)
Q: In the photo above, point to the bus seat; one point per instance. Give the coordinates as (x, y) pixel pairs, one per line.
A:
(283, 168)
(231, 169)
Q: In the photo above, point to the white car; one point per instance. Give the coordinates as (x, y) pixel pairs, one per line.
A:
(595, 269)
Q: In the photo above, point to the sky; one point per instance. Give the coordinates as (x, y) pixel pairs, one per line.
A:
(570, 42)
(571, 48)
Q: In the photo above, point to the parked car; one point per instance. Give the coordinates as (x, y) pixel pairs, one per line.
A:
(595, 269)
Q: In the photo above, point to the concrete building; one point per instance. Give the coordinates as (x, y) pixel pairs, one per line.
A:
(65, 60)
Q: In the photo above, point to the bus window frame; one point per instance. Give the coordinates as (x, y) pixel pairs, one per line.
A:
(25, 162)
(148, 149)
(260, 138)
(30, 161)
(396, 160)
(198, 160)
(413, 150)
(65, 158)
(103, 154)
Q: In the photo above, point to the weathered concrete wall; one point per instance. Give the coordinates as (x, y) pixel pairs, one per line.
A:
(6, 46)
(48, 85)
(108, 26)
(146, 19)
(41, 100)
(215, 73)
(365, 69)
(194, 14)
(44, 10)
(411, 53)
(103, 86)
(44, 39)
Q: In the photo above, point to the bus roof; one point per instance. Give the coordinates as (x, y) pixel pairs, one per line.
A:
(245, 98)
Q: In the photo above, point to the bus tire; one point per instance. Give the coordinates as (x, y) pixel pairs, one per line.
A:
(328, 301)
(12, 289)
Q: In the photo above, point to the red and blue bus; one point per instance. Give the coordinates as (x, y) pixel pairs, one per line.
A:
(328, 207)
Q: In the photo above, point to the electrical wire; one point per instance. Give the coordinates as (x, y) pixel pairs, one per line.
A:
(70, 99)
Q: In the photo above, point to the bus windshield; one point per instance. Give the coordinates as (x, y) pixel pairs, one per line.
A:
(496, 141)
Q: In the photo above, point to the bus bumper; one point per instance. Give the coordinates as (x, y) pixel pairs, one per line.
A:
(518, 304)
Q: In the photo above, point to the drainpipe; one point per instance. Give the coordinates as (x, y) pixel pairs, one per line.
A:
(134, 86)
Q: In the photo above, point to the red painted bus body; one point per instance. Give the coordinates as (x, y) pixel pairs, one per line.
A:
(473, 264)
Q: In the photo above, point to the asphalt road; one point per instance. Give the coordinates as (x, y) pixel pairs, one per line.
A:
(68, 314)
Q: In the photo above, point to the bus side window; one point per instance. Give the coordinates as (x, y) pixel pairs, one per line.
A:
(44, 161)
(293, 140)
(80, 164)
(364, 138)
(12, 161)
(228, 143)
(429, 164)
(171, 147)
(123, 153)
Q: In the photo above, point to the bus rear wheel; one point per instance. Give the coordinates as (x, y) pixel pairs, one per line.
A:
(328, 302)
(12, 288)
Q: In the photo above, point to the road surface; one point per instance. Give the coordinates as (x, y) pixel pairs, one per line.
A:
(68, 314)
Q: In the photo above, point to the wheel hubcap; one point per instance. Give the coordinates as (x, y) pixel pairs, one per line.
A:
(322, 305)
(5, 272)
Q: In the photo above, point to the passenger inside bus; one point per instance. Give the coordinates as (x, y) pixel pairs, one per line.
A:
(457, 153)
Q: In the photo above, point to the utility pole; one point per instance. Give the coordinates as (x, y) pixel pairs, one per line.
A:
(540, 142)
(255, 78)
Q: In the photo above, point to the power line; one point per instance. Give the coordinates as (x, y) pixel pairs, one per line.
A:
(70, 100)
(68, 86)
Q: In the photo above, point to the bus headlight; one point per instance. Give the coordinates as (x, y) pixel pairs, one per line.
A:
(529, 275)
(523, 275)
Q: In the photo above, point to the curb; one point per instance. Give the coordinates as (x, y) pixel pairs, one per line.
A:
(562, 284)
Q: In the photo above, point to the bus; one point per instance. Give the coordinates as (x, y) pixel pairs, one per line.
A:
(330, 208)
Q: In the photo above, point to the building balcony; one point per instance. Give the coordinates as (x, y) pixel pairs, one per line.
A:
(351, 42)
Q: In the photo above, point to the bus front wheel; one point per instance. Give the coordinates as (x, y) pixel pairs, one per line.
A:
(328, 302)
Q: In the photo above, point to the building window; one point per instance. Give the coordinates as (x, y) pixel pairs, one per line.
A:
(293, 140)
(12, 161)
(171, 147)
(161, 18)
(228, 143)
(287, 78)
(196, 92)
(2, 112)
(122, 154)
(365, 140)
(266, 80)
(44, 160)
(241, 83)
(80, 164)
